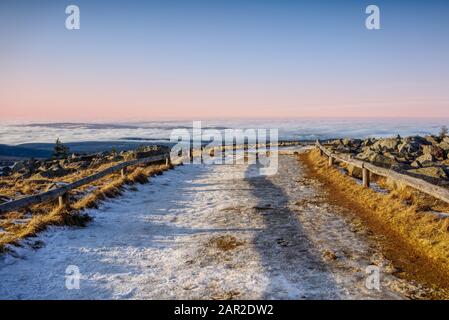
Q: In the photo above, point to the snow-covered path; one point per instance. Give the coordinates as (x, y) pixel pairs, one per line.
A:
(201, 232)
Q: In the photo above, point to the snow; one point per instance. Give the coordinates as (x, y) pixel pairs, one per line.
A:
(160, 242)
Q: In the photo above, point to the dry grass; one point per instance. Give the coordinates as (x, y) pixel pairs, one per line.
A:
(39, 223)
(226, 242)
(403, 211)
(45, 215)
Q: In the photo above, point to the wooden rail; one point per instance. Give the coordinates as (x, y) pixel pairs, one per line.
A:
(61, 192)
(418, 184)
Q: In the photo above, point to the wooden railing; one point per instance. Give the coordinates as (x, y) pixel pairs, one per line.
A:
(415, 183)
(61, 192)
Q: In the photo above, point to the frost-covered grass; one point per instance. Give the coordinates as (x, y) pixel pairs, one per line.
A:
(16, 227)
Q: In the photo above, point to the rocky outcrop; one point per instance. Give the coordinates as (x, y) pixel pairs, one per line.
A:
(420, 156)
(54, 168)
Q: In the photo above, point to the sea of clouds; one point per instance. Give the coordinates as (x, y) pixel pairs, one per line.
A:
(310, 129)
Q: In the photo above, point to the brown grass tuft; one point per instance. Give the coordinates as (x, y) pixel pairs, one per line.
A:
(226, 242)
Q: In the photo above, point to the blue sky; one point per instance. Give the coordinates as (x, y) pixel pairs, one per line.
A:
(252, 59)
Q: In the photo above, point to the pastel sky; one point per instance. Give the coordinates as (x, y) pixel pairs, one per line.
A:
(248, 59)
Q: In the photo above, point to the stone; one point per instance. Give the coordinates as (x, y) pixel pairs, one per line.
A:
(54, 171)
(389, 144)
(355, 172)
(444, 145)
(18, 166)
(6, 171)
(368, 142)
(412, 145)
(432, 139)
(431, 172)
(425, 159)
(434, 151)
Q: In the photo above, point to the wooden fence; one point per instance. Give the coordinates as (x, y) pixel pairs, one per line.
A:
(62, 192)
(367, 168)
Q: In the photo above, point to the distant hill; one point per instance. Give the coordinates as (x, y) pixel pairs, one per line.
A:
(45, 150)
(22, 152)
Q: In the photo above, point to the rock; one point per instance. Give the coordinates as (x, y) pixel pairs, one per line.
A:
(434, 151)
(145, 152)
(376, 158)
(337, 142)
(80, 165)
(400, 167)
(54, 171)
(416, 164)
(425, 159)
(382, 160)
(432, 139)
(368, 142)
(18, 167)
(389, 144)
(444, 145)
(6, 171)
(97, 162)
(432, 172)
(355, 172)
(412, 145)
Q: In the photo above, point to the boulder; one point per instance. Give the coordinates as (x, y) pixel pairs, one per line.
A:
(389, 144)
(432, 139)
(145, 152)
(376, 158)
(431, 172)
(412, 145)
(6, 171)
(80, 165)
(368, 142)
(434, 151)
(424, 160)
(18, 167)
(444, 145)
(54, 171)
(355, 172)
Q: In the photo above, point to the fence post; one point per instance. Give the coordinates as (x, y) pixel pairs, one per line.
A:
(63, 200)
(331, 161)
(191, 155)
(167, 160)
(223, 152)
(123, 172)
(257, 150)
(201, 154)
(366, 177)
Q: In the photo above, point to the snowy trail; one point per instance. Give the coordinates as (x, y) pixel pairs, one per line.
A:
(204, 232)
